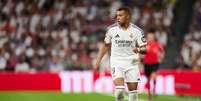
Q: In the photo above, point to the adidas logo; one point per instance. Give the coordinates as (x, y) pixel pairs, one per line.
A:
(138, 79)
(117, 36)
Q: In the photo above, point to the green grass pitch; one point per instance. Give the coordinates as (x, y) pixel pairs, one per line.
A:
(56, 96)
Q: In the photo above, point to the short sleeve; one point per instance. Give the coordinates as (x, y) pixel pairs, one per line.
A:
(108, 37)
(141, 40)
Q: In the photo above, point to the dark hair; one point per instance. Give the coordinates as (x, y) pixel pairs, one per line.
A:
(152, 30)
(126, 9)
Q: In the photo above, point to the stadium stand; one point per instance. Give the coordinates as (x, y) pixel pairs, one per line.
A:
(57, 35)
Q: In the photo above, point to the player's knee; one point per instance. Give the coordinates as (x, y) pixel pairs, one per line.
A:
(132, 86)
(119, 81)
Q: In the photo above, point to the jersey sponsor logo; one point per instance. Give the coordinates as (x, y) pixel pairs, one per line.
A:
(123, 43)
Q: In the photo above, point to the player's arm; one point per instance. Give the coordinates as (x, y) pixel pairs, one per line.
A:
(104, 49)
(141, 49)
(141, 44)
(101, 53)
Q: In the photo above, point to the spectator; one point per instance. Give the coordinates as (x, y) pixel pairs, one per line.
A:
(191, 48)
(22, 65)
(42, 28)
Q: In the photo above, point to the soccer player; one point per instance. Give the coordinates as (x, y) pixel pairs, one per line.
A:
(152, 59)
(126, 42)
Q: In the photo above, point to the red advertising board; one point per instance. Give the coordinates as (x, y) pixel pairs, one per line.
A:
(29, 81)
(168, 82)
(186, 82)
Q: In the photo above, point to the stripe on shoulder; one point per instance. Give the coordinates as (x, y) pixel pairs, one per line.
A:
(134, 26)
(113, 25)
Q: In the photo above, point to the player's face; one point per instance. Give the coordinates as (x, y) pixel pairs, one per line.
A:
(122, 17)
(150, 37)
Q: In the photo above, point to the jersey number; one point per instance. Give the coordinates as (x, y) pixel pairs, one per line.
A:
(113, 70)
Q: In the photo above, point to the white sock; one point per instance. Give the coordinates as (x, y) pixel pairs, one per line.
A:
(119, 93)
(133, 95)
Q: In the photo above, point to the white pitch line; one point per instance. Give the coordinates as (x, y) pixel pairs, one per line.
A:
(125, 98)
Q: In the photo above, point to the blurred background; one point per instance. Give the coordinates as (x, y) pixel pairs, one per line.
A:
(57, 35)
(53, 36)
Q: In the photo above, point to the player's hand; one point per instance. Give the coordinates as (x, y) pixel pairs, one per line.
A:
(136, 50)
(97, 66)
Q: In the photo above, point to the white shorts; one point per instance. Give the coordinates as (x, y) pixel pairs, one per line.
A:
(130, 74)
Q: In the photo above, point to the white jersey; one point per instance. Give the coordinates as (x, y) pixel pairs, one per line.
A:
(122, 44)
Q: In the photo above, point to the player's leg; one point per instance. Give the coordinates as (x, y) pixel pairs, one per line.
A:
(118, 80)
(153, 76)
(132, 91)
(147, 72)
(119, 89)
(132, 77)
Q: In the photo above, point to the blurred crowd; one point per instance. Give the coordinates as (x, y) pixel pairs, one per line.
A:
(191, 48)
(57, 35)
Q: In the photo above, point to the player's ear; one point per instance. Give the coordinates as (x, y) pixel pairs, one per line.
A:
(128, 16)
